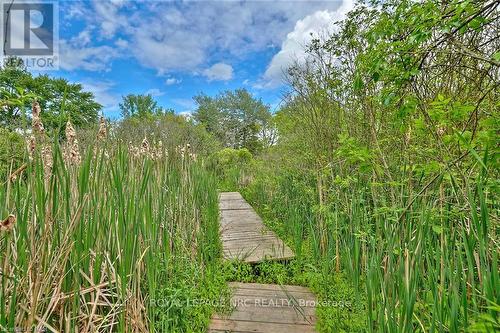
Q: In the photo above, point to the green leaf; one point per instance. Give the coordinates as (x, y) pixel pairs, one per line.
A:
(358, 83)
(437, 229)
(496, 56)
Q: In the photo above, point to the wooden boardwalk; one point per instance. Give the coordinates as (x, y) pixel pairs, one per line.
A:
(267, 308)
(244, 236)
(259, 308)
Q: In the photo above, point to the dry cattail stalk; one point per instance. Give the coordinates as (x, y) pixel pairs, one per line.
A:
(102, 134)
(159, 150)
(145, 146)
(73, 154)
(46, 153)
(36, 121)
(31, 145)
(16, 173)
(8, 223)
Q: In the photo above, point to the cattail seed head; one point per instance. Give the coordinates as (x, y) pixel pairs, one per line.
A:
(47, 161)
(8, 223)
(31, 146)
(36, 121)
(70, 131)
(73, 153)
(102, 134)
(145, 146)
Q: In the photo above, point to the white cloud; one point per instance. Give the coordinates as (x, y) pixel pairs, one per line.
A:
(155, 92)
(121, 43)
(172, 80)
(185, 103)
(293, 47)
(90, 58)
(104, 96)
(219, 72)
(186, 36)
(187, 114)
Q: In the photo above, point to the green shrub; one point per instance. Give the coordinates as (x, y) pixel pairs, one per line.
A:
(12, 151)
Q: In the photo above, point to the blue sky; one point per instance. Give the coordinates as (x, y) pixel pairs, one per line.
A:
(177, 49)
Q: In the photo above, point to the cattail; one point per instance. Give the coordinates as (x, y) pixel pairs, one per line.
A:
(145, 146)
(36, 121)
(47, 161)
(31, 145)
(159, 150)
(73, 154)
(102, 134)
(8, 223)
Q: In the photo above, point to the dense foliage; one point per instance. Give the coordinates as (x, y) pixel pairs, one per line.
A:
(59, 99)
(380, 170)
(118, 240)
(236, 119)
(386, 167)
(141, 107)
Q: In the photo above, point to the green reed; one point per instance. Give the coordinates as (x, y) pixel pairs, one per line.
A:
(96, 244)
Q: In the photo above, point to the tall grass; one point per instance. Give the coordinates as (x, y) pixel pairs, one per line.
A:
(97, 245)
(424, 263)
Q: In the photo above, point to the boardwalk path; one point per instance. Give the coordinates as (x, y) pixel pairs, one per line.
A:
(259, 308)
(244, 236)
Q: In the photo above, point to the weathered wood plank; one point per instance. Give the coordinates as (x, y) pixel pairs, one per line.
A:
(234, 205)
(265, 308)
(244, 235)
(229, 195)
(252, 255)
(241, 286)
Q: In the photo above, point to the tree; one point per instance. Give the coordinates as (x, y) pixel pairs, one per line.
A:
(140, 106)
(58, 98)
(236, 118)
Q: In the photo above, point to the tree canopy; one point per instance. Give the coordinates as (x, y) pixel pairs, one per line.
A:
(60, 100)
(236, 118)
(140, 106)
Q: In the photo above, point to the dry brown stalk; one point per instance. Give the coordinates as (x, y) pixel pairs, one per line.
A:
(36, 121)
(145, 146)
(31, 146)
(18, 172)
(73, 153)
(102, 133)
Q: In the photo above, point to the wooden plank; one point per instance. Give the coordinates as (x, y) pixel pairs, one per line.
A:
(229, 195)
(259, 327)
(242, 286)
(244, 235)
(255, 255)
(236, 214)
(265, 308)
(234, 205)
